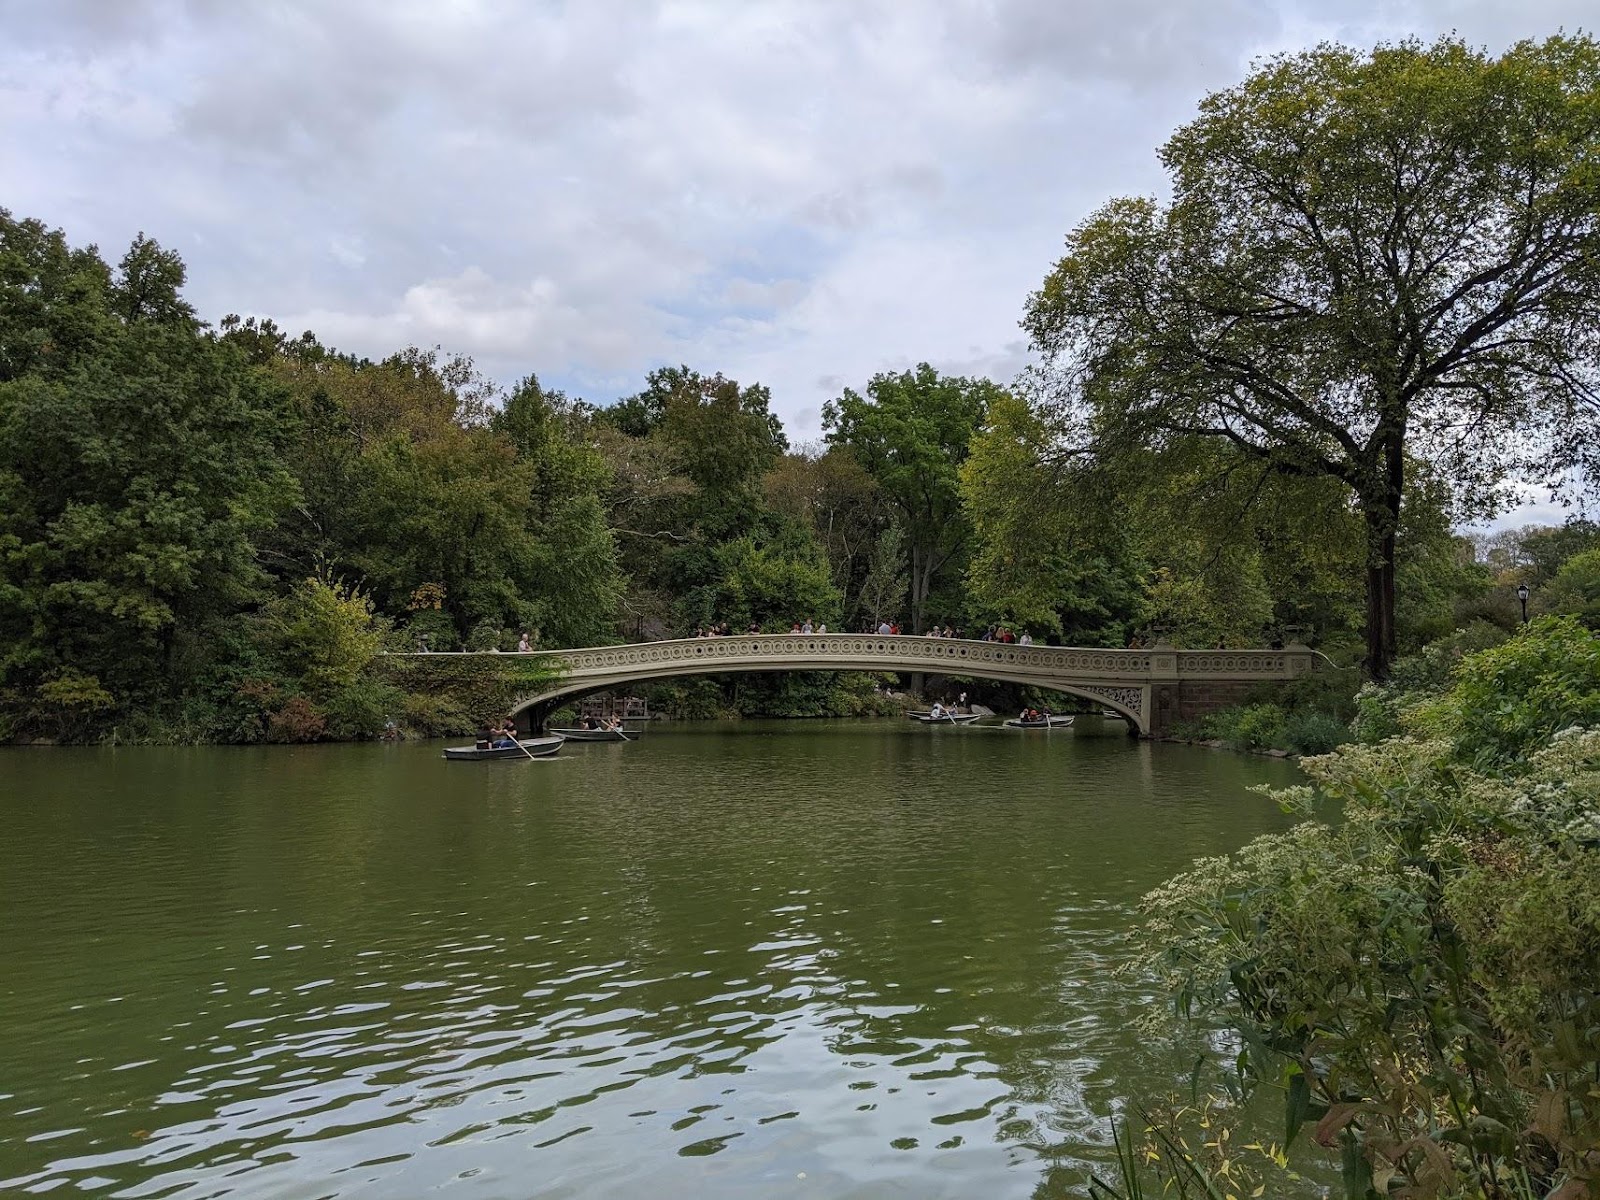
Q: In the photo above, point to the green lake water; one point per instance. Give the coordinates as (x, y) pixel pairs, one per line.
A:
(802, 959)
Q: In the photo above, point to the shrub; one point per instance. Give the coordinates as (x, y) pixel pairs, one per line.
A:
(1506, 702)
(298, 720)
(361, 710)
(1312, 731)
(1381, 709)
(431, 627)
(1421, 981)
(1251, 727)
(71, 702)
(480, 687)
(692, 700)
(486, 635)
(1426, 977)
(324, 635)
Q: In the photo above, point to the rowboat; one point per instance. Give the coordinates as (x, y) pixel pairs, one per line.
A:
(927, 718)
(1049, 723)
(540, 747)
(599, 735)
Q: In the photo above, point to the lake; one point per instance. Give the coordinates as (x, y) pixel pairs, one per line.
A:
(787, 959)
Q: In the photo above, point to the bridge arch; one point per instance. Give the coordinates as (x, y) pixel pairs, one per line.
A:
(539, 706)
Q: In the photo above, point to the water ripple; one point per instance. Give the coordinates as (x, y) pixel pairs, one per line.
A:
(825, 963)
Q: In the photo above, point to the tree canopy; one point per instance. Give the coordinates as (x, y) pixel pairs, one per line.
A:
(910, 432)
(1367, 259)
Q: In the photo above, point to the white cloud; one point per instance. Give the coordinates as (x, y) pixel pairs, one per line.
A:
(800, 191)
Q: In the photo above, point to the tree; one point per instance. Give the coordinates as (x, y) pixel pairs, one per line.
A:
(830, 492)
(1042, 557)
(53, 307)
(884, 588)
(139, 461)
(147, 286)
(404, 484)
(576, 578)
(1576, 589)
(688, 455)
(1366, 258)
(911, 432)
(723, 436)
(776, 583)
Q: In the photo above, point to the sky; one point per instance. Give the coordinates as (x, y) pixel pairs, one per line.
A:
(800, 193)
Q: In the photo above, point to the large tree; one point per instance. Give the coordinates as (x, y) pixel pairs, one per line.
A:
(1366, 258)
(911, 432)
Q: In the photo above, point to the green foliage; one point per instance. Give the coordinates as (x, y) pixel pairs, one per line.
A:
(781, 694)
(1575, 589)
(1437, 581)
(1248, 727)
(1421, 982)
(832, 494)
(1245, 312)
(1505, 702)
(1308, 729)
(1381, 709)
(138, 462)
(1222, 600)
(910, 432)
(1534, 553)
(166, 491)
(775, 584)
(457, 693)
(72, 703)
(1039, 562)
(809, 694)
(883, 590)
(1314, 731)
(325, 632)
(312, 669)
(573, 586)
(696, 699)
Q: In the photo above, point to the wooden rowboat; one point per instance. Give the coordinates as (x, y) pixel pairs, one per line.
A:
(1051, 723)
(599, 735)
(540, 747)
(927, 718)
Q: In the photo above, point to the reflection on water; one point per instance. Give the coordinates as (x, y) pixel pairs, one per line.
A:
(806, 959)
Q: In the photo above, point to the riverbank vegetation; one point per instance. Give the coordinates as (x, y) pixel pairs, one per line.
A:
(1417, 983)
(1260, 409)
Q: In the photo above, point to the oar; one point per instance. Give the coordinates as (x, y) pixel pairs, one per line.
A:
(517, 738)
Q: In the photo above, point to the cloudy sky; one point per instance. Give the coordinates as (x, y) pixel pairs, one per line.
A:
(800, 193)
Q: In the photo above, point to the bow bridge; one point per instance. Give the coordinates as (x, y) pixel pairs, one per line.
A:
(1152, 688)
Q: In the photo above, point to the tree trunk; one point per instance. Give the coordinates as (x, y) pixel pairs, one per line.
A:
(1380, 596)
(1382, 514)
(919, 589)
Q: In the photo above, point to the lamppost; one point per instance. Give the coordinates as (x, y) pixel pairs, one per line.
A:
(1522, 595)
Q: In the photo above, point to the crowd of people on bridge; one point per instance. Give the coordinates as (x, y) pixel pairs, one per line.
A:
(885, 628)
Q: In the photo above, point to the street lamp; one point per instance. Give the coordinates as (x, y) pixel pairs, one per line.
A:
(1522, 595)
